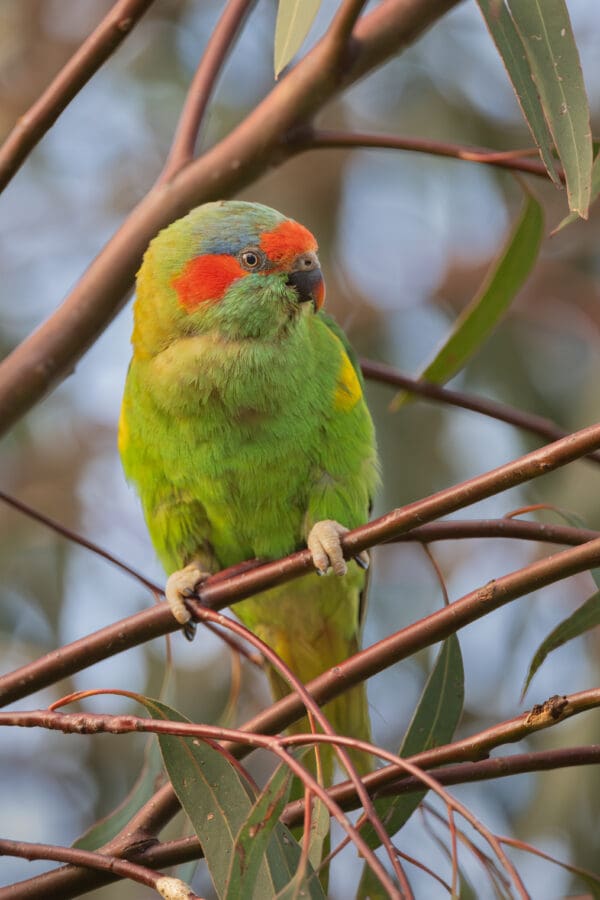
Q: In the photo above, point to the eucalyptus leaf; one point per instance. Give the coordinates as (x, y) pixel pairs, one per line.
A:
(512, 51)
(547, 36)
(433, 723)
(477, 321)
(218, 800)
(586, 617)
(294, 21)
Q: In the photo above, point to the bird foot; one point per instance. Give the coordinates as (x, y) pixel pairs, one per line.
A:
(180, 586)
(324, 543)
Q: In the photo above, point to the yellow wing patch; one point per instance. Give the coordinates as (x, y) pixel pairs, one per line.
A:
(348, 391)
(123, 434)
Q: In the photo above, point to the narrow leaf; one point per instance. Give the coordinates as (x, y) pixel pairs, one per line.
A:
(294, 20)
(573, 217)
(546, 32)
(512, 51)
(477, 321)
(254, 835)
(433, 723)
(583, 619)
(143, 789)
(218, 800)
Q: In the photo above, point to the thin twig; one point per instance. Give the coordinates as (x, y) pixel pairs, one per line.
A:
(85, 62)
(162, 884)
(219, 591)
(217, 49)
(539, 425)
(43, 359)
(321, 139)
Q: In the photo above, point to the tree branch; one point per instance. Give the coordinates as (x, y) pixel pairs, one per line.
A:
(220, 590)
(84, 63)
(162, 884)
(201, 88)
(539, 425)
(43, 359)
(514, 160)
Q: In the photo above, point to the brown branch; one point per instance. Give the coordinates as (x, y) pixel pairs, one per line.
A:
(497, 528)
(539, 425)
(516, 161)
(75, 538)
(453, 774)
(203, 82)
(85, 62)
(500, 767)
(43, 359)
(220, 591)
(164, 804)
(166, 886)
(168, 853)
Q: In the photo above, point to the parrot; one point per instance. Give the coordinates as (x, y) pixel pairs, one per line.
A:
(246, 434)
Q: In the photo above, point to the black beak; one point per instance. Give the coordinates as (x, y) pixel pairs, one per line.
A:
(308, 285)
(307, 279)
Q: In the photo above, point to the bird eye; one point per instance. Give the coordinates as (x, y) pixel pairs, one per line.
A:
(252, 259)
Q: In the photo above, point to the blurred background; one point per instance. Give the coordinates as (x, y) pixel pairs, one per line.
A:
(405, 241)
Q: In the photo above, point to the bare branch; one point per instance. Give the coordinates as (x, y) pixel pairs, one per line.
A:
(201, 88)
(514, 160)
(121, 867)
(503, 412)
(220, 590)
(45, 357)
(94, 51)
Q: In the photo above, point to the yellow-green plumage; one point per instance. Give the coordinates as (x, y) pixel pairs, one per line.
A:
(243, 424)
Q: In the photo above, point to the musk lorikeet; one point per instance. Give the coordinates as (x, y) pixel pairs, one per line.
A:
(245, 431)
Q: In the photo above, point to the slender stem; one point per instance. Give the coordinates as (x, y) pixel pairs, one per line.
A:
(217, 49)
(220, 591)
(539, 425)
(85, 62)
(115, 866)
(43, 359)
(322, 139)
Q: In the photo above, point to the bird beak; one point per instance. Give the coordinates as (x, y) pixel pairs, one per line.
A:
(307, 279)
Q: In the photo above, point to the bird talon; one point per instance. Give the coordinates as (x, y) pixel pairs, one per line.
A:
(182, 585)
(324, 543)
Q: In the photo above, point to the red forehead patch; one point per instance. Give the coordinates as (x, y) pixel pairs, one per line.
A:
(286, 241)
(206, 278)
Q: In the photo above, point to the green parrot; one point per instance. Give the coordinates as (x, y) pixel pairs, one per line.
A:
(244, 429)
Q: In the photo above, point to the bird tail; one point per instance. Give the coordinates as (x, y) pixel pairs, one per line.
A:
(348, 714)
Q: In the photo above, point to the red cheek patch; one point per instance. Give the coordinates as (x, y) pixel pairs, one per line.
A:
(286, 242)
(206, 278)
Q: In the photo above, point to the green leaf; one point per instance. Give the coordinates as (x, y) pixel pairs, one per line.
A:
(512, 51)
(573, 217)
(254, 835)
(218, 800)
(583, 619)
(477, 321)
(370, 887)
(144, 788)
(547, 36)
(294, 20)
(433, 723)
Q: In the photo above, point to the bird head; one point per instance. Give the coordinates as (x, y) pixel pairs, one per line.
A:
(239, 269)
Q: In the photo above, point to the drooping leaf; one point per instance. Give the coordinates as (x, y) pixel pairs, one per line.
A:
(546, 32)
(433, 723)
(573, 217)
(586, 617)
(294, 21)
(218, 800)
(477, 321)
(512, 51)
(254, 837)
(143, 789)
